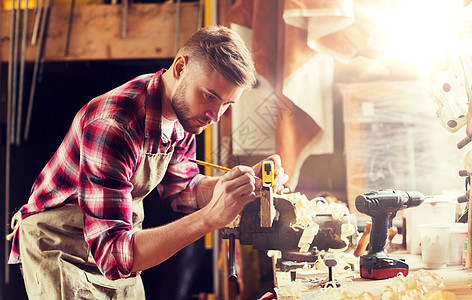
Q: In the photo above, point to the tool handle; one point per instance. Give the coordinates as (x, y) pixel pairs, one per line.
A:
(463, 142)
(232, 260)
(378, 235)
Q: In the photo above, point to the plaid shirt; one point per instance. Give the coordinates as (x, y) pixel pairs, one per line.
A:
(93, 166)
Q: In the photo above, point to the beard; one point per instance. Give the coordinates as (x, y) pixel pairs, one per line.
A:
(182, 111)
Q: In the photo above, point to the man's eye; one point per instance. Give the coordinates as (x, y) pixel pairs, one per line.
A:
(210, 96)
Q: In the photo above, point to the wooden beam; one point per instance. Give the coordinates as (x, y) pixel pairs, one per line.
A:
(267, 212)
(96, 32)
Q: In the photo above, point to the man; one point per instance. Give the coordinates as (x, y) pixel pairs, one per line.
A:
(80, 234)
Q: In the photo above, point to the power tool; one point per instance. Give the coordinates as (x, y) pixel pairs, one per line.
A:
(382, 206)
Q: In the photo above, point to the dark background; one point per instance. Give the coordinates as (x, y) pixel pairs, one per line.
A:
(63, 89)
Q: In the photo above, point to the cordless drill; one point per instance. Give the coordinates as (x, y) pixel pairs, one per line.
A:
(382, 206)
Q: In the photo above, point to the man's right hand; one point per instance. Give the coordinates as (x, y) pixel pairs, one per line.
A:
(232, 192)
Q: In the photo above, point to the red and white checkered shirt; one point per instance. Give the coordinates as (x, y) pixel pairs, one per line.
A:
(94, 164)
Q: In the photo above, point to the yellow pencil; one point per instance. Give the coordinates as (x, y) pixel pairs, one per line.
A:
(207, 164)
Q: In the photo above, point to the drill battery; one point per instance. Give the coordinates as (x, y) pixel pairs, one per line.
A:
(381, 266)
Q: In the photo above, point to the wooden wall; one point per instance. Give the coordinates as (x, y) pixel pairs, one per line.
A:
(96, 31)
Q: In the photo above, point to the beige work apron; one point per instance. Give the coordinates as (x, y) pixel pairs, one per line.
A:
(56, 260)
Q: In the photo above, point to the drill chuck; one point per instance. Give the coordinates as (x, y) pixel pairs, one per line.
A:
(416, 198)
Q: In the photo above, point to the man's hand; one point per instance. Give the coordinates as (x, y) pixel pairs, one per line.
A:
(280, 178)
(232, 192)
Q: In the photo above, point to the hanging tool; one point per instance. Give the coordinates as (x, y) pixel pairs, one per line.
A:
(39, 59)
(22, 74)
(69, 27)
(383, 206)
(177, 26)
(8, 146)
(124, 19)
(200, 14)
(37, 20)
(12, 66)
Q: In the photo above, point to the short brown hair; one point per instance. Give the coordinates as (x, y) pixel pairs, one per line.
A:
(224, 51)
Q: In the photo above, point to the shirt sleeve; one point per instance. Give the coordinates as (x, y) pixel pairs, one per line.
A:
(179, 186)
(108, 158)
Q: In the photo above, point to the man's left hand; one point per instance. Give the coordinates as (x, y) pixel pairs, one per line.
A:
(280, 178)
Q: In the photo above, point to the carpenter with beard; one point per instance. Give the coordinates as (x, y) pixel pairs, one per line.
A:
(80, 234)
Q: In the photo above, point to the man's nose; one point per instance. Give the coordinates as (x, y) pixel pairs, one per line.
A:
(215, 113)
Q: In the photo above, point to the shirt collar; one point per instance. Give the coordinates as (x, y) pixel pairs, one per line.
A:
(154, 112)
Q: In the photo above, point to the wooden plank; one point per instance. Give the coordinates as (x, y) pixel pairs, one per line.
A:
(96, 32)
(267, 207)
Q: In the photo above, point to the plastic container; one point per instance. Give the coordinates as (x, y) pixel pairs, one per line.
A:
(434, 210)
(434, 245)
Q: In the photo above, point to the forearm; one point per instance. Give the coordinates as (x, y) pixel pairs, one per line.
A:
(155, 245)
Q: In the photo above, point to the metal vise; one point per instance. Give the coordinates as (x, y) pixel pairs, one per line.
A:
(281, 236)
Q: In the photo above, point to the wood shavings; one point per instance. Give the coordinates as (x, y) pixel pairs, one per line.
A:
(346, 263)
(292, 289)
(346, 230)
(440, 295)
(306, 212)
(343, 293)
(235, 222)
(412, 287)
(307, 237)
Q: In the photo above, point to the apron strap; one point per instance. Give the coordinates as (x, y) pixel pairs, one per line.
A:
(15, 224)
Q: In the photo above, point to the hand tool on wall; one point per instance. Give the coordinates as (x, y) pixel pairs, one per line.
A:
(69, 27)
(177, 26)
(22, 73)
(8, 149)
(13, 66)
(124, 19)
(37, 20)
(382, 206)
(39, 60)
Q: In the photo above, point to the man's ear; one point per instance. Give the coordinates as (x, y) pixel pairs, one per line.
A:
(180, 63)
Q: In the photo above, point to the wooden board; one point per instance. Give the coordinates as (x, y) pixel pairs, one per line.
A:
(96, 32)
(267, 207)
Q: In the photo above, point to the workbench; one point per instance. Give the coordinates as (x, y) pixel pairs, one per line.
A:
(457, 279)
